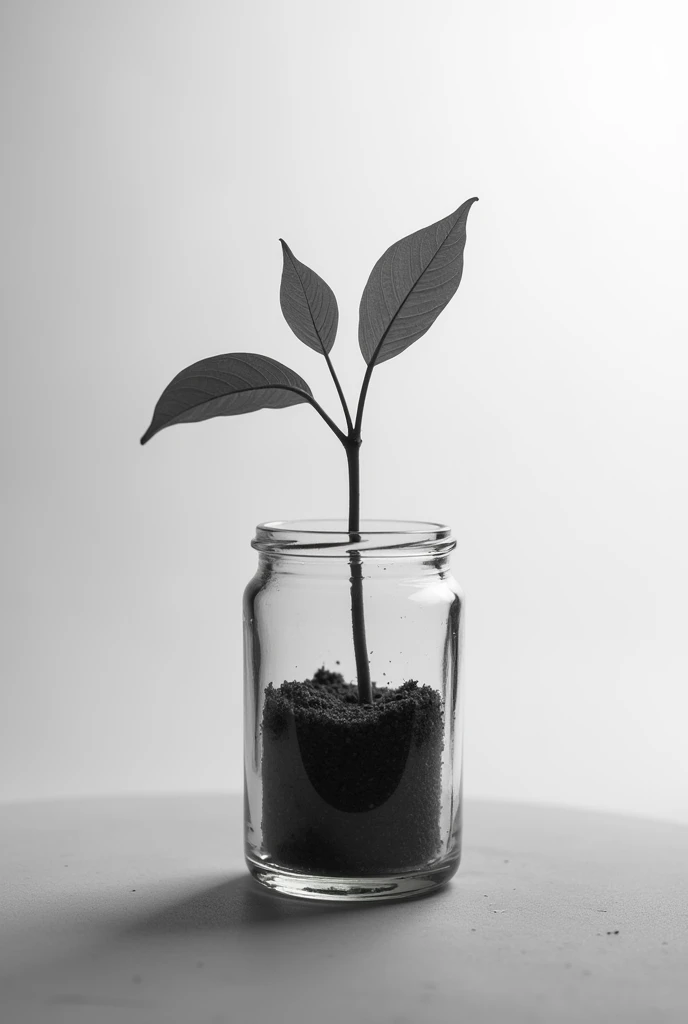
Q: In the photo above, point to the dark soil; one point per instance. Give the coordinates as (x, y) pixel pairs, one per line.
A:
(349, 788)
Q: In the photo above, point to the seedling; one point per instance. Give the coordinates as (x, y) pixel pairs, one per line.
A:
(408, 288)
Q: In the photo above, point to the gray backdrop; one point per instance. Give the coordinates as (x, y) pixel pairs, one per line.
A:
(152, 153)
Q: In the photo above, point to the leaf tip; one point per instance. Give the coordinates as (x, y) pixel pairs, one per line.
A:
(465, 208)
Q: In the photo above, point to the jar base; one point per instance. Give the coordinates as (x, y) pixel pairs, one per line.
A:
(353, 890)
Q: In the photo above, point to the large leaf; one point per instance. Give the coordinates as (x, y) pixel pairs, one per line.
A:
(410, 285)
(227, 386)
(308, 304)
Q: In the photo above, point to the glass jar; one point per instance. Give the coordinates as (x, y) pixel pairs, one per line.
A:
(343, 799)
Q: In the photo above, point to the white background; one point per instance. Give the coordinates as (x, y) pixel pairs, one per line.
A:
(152, 155)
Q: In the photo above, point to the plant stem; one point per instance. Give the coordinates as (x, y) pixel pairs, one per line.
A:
(365, 692)
(352, 446)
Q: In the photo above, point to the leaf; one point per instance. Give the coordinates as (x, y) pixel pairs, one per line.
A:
(308, 304)
(227, 386)
(410, 285)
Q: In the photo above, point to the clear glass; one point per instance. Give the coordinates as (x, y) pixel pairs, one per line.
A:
(345, 800)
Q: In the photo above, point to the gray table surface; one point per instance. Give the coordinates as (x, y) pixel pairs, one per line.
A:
(141, 910)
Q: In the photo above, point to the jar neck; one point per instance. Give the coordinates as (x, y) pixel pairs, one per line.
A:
(384, 548)
(376, 540)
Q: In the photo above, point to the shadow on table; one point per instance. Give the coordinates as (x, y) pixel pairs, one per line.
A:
(204, 949)
(240, 903)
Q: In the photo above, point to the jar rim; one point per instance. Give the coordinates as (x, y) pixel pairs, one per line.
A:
(331, 538)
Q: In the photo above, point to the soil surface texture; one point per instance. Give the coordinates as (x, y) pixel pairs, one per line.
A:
(351, 789)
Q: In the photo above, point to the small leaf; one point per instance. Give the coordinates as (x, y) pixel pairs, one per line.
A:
(410, 285)
(308, 304)
(227, 386)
